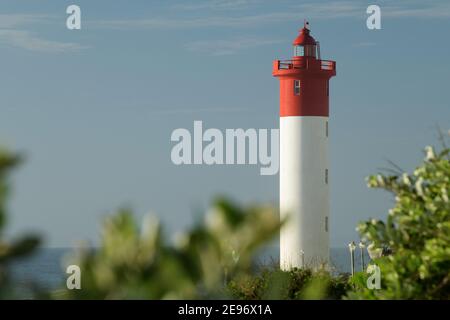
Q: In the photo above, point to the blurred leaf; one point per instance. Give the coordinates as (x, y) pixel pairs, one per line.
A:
(10, 251)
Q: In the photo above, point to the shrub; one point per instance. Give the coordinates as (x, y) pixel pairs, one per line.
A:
(417, 231)
(273, 283)
(139, 263)
(10, 251)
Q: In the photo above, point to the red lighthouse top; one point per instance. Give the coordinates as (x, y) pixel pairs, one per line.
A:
(304, 80)
(304, 38)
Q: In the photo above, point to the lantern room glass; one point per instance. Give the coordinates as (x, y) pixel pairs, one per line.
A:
(305, 51)
(298, 51)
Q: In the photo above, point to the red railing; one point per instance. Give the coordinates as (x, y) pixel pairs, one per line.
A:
(299, 64)
(328, 65)
(289, 64)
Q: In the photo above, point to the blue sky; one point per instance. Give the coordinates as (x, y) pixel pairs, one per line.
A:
(93, 109)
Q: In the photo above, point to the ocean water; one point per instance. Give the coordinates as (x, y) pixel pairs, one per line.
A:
(46, 268)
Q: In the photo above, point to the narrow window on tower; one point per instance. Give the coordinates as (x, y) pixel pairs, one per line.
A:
(297, 87)
(326, 129)
(326, 176)
(328, 89)
(326, 224)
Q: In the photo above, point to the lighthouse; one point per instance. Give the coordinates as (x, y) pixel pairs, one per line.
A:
(304, 170)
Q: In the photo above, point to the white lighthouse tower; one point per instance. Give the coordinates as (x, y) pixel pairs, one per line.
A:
(304, 188)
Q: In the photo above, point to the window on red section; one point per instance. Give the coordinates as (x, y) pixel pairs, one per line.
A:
(297, 87)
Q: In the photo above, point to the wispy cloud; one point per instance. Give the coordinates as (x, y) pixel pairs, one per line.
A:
(393, 9)
(200, 110)
(204, 22)
(14, 32)
(296, 12)
(229, 46)
(413, 9)
(10, 21)
(216, 5)
(331, 10)
(29, 41)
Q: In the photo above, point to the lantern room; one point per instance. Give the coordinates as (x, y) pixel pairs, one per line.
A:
(305, 45)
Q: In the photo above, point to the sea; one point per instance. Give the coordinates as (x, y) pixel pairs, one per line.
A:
(46, 268)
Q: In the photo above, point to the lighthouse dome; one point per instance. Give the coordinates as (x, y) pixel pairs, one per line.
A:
(305, 45)
(304, 38)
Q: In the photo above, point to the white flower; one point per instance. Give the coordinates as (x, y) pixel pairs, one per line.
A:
(418, 187)
(374, 252)
(180, 239)
(429, 153)
(380, 180)
(213, 218)
(405, 179)
(445, 195)
(150, 226)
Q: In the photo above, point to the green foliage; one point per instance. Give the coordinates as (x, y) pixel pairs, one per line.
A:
(138, 263)
(10, 251)
(417, 231)
(304, 284)
(215, 258)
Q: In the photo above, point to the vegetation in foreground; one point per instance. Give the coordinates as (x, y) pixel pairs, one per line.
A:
(215, 258)
(297, 284)
(10, 251)
(417, 231)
